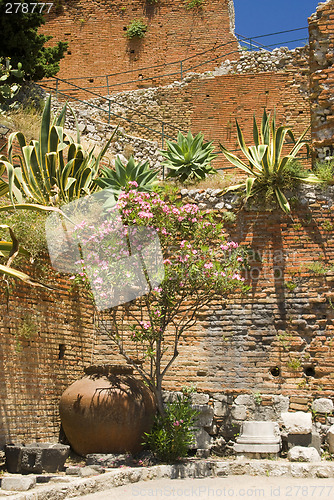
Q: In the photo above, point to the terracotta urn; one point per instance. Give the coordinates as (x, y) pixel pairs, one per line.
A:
(107, 411)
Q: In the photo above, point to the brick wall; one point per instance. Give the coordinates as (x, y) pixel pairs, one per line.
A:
(321, 28)
(46, 339)
(97, 46)
(277, 339)
(210, 105)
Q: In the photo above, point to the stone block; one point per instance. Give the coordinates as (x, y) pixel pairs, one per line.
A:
(89, 471)
(203, 440)
(258, 437)
(36, 457)
(330, 439)
(312, 440)
(18, 483)
(281, 403)
(109, 460)
(323, 405)
(199, 398)
(244, 399)
(205, 416)
(73, 470)
(220, 408)
(239, 412)
(298, 422)
(303, 454)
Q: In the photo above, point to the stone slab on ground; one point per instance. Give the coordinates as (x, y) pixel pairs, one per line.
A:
(192, 468)
(303, 454)
(18, 483)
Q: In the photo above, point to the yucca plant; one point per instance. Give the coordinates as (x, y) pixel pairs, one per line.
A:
(53, 170)
(189, 158)
(133, 175)
(269, 170)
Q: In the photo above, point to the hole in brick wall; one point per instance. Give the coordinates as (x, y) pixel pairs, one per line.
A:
(275, 371)
(140, 77)
(124, 28)
(207, 95)
(91, 80)
(62, 349)
(309, 371)
(132, 51)
(69, 52)
(266, 92)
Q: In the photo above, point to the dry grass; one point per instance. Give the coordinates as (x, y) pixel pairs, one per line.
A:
(27, 121)
(220, 181)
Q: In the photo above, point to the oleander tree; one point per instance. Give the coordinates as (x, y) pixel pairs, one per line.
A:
(200, 265)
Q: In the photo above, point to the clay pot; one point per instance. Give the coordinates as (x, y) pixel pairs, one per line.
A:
(107, 411)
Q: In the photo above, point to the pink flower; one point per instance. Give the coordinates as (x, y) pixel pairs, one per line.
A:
(133, 183)
(208, 266)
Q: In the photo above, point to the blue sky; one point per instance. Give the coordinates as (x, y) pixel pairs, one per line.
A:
(261, 17)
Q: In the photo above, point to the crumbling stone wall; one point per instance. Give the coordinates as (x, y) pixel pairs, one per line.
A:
(208, 104)
(321, 28)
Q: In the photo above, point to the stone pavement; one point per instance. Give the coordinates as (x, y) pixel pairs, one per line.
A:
(246, 487)
(317, 477)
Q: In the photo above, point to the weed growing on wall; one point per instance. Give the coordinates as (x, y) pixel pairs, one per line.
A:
(29, 228)
(136, 29)
(325, 171)
(194, 4)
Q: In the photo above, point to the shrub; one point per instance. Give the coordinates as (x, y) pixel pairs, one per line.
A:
(173, 433)
(325, 171)
(136, 29)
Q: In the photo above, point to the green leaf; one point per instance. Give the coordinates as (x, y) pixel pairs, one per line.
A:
(283, 202)
(14, 273)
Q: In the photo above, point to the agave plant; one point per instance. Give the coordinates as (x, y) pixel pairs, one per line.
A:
(130, 176)
(52, 170)
(268, 168)
(189, 158)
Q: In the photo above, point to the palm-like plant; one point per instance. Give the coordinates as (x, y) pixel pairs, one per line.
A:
(133, 175)
(189, 158)
(52, 170)
(268, 167)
